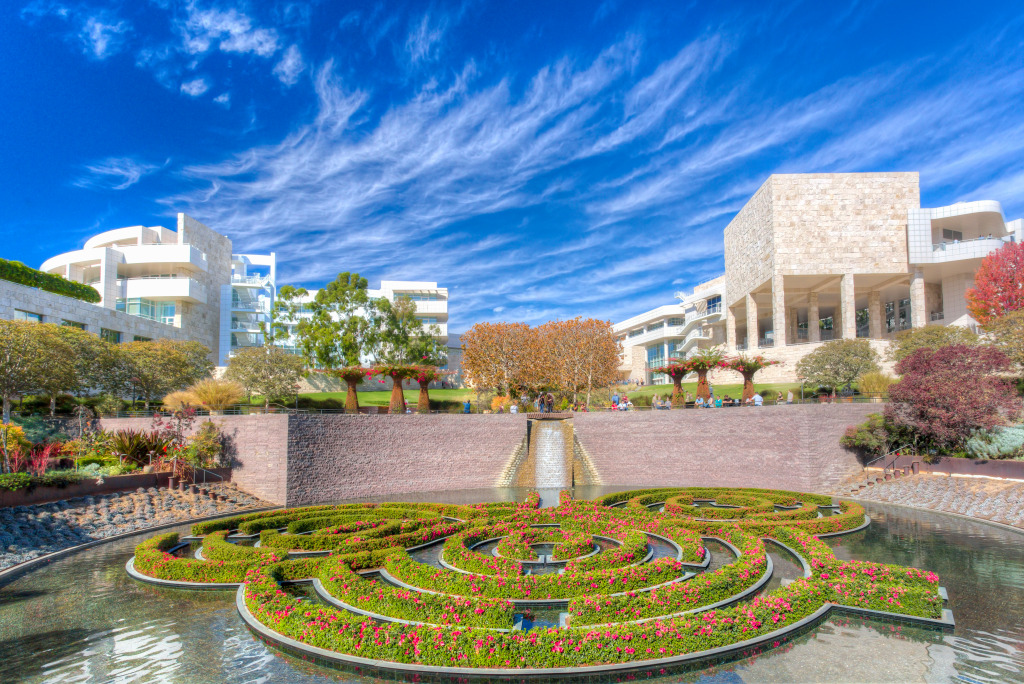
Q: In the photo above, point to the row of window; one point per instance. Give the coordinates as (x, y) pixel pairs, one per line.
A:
(112, 336)
(161, 312)
(419, 296)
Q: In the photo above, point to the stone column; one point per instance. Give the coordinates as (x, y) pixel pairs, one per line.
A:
(793, 318)
(730, 329)
(848, 304)
(778, 311)
(753, 334)
(813, 318)
(875, 315)
(918, 306)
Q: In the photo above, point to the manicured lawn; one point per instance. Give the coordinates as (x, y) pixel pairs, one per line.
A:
(599, 397)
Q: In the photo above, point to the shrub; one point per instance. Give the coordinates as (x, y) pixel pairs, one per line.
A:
(216, 395)
(178, 400)
(876, 383)
(17, 272)
(1000, 442)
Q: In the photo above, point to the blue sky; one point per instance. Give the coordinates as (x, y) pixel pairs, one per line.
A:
(541, 160)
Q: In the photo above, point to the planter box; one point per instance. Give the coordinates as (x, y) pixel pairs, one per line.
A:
(968, 466)
(89, 487)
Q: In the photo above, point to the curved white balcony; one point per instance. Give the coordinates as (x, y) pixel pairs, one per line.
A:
(945, 252)
(163, 289)
(176, 255)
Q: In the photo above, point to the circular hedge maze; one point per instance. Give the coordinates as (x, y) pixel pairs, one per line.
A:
(622, 582)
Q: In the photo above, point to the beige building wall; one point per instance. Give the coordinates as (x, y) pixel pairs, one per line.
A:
(201, 322)
(55, 308)
(749, 246)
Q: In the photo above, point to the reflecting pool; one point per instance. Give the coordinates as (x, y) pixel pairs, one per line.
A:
(82, 619)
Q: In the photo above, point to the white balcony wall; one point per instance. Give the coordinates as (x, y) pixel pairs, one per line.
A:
(176, 255)
(432, 307)
(167, 289)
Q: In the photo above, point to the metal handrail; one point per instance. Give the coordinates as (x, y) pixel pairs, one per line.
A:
(205, 471)
(886, 467)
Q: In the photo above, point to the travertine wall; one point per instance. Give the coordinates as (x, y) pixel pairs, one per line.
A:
(788, 447)
(826, 223)
(55, 308)
(749, 246)
(201, 322)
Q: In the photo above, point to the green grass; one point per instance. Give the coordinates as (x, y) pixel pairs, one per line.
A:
(598, 397)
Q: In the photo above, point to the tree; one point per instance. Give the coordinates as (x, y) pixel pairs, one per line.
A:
(907, 342)
(579, 354)
(702, 362)
(998, 284)
(946, 394)
(1008, 333)
(398, 374)
(399, 335)
(159, 367)
(340, 328)
(21, 361)
(677, 370)
(747, 366)
(424, 376)
(268, 371)
(838, 363)
(59, 359)
(506, 357)
(352, 375)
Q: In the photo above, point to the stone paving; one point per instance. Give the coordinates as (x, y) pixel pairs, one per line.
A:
(27, 532)
(997, 500)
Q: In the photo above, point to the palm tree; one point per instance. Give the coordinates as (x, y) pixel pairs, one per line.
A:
(702, 362)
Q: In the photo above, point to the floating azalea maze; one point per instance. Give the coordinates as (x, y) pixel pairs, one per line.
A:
(618, 583)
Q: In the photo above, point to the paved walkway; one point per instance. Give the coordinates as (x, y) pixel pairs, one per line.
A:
(997, 500)
(27, 532)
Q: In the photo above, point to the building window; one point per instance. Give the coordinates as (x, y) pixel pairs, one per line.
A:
(162, 312)
(656, 326)
(112, 336)
(429, 320)
(20, 315)
(952, 235)
(636, 333)
(140, 338)
(418, 296)
(677, 321)
(73, 324)
(714, 304)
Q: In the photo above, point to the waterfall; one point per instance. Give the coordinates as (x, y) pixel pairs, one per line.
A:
(552, 469)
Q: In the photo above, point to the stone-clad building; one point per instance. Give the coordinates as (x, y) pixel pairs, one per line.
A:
(815, 257)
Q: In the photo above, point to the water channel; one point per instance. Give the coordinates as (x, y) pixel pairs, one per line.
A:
(82, 619)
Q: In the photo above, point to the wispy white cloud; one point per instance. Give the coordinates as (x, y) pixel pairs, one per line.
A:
(291, 66)
(99, 32)
(228, 30)
(425, 37)
(115, 173)
(224, 99)
(195, 87)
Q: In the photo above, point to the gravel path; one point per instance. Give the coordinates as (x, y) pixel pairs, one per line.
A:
(997, 500)
(27, 532)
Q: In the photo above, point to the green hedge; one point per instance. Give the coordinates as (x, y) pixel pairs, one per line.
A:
(17, 481)
(17, 272)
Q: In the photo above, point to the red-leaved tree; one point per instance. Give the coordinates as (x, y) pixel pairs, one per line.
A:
(998, 284)
(946, 394)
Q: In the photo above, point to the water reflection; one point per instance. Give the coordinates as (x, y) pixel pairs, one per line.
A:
(81, 619)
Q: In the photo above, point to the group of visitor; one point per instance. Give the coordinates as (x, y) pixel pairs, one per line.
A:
(661, 405)
(621, 403)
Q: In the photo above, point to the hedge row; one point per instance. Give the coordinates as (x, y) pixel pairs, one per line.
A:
(151, 558)
(333, 542)
(17, 272)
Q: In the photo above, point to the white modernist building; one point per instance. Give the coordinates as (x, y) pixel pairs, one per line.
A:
(815, 257)
(184, 284)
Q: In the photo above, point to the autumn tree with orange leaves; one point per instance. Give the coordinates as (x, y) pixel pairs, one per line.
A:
(570, 356)
(579, 354)
(506, 357)
(998, 284)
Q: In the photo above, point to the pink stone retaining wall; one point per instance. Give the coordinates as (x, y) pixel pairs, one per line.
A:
(782, 447)
(313, 458)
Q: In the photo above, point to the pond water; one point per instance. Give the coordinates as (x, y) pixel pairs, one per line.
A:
(82, 619)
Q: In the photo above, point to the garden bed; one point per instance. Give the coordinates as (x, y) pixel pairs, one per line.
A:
(92, 487)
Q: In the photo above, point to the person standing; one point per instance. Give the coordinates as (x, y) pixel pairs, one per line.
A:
(789, 397)
(466, 408)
